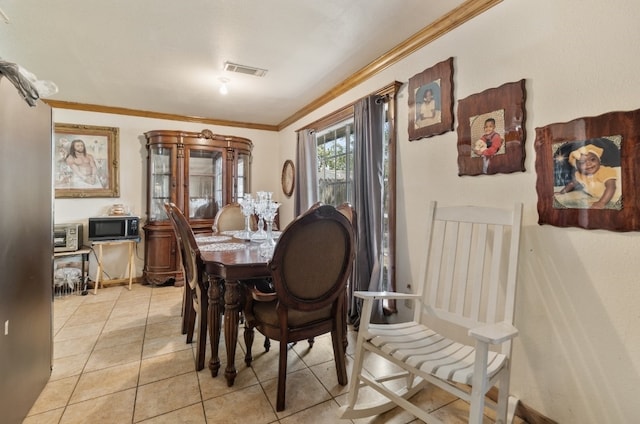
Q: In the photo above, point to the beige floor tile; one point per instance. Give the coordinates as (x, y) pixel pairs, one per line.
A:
(75, 331)
(326, 412)
(166, 395)
(193, 414)
(265, 364)
(164, 366)
(369, 397)
(106, 381)
(119, 337)
(211, 387)
(170, 327)
(114, 355)
(121, 323)
(68, 366)
(55, 395)
(98, 364)
(322, 350)
(163, 345)
(113, 408)
(326, 373)
(49, 417)
(161, 314)
(87, 314)
(129, 308)
(304, 390)
(74, 346)
(248, 405)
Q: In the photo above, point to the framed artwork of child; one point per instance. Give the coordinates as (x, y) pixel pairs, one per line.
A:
(585, 172)
(491, 131)
(431, 101)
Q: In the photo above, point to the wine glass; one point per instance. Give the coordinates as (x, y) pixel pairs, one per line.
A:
(270, 212)
(263, 199)
(248, 207)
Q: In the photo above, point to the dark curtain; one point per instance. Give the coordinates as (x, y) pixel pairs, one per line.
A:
(368, 187)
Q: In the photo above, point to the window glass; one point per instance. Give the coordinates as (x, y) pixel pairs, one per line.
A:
(335, 163)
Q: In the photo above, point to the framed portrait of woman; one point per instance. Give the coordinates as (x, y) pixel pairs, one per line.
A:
(85, 161)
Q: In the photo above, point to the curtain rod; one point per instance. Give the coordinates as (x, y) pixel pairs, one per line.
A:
(385, 93)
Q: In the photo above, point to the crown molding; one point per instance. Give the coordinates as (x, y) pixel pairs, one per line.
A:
(156, 115)
(443, 25)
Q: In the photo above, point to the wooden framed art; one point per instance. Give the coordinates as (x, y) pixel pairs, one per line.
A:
(587, 171)
(288, 177)
(491, 131)
(431, 101)
(85, 161)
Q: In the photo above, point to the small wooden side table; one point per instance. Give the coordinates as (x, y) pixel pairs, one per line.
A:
(131, 265)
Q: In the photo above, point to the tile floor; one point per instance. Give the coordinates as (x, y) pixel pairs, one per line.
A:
(119, 357)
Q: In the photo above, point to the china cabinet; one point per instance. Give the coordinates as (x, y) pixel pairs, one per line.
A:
(200, 173)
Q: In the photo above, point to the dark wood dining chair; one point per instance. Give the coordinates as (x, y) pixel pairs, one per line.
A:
(187, 303)
(310, 267)
(195, 285)
(349, 212)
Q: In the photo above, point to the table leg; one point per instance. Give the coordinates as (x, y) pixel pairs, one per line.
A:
(231, 318)
(215, 313)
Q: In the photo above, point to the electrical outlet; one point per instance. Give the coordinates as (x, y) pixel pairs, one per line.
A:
(6, 328)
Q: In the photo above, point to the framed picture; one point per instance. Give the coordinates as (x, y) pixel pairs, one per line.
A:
(491, 131)
(587, 171)
(431, 101)
(85, 161)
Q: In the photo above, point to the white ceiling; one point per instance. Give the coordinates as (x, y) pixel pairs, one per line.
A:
(167, 56)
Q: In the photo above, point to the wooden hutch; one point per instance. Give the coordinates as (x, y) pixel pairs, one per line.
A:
(199, 172)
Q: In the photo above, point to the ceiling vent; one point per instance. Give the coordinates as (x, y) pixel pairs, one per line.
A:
(242, 69)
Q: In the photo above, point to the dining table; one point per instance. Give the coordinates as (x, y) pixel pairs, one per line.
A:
(228, 262)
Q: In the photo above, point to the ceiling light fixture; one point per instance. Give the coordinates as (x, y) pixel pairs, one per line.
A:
(223, 86)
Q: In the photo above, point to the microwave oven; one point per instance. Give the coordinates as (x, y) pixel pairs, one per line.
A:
(67, 237)
(122, 227)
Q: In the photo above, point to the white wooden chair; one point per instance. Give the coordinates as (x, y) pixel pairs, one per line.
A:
(468, 281)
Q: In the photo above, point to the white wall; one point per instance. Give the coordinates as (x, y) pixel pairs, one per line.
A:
(133, 171)
(577, 359)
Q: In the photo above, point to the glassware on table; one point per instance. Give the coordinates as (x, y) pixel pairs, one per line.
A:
(263, 198)
(248, 208)
(270, 212)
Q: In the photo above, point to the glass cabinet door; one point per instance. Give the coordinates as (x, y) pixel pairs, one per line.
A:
(160, 181)
(205, 190)
(242, 177)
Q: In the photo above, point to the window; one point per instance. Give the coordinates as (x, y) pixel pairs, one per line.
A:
(335, 163)
(336, 149)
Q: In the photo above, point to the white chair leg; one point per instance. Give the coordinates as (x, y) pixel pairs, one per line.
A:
(511, 410)
(502, 410)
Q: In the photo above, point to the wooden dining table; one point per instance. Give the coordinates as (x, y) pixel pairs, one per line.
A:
(227, 262)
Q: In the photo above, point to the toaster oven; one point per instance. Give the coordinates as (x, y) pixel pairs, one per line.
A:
(67, 237)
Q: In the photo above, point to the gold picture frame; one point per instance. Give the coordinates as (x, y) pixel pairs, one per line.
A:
(85, 161)
(431, 101)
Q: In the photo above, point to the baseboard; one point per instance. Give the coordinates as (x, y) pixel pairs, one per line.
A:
(524, 412)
